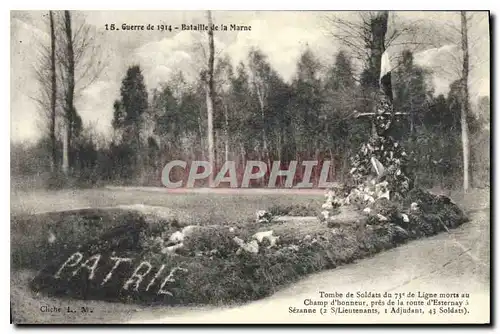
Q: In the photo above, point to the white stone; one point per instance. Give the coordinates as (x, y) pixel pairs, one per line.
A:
(171, 249)
(52, 237)
(382, 218)
(259, 236)
(272, 241)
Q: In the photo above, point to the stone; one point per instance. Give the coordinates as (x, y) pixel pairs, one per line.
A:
(382, 218)
(172, 249)
(259, 236)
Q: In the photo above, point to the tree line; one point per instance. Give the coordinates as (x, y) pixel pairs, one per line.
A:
(249, 112)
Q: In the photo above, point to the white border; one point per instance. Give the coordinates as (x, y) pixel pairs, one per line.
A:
(190, 5)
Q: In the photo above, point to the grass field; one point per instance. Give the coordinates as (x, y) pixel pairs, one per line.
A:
(203, 207)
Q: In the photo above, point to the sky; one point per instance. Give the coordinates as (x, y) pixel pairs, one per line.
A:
(281, 35)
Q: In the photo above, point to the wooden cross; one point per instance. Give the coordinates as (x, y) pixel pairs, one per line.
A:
(371, 115)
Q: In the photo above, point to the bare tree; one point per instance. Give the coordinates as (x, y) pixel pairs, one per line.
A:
(223, 76)
(69, 83)
(210, 95)
(358, 33)
(465, 100)
(458, 34)
(54, 92)
(46, 98)
(80, 63)
(260, 75)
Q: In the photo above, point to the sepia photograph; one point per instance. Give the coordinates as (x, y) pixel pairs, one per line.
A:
(250, 167)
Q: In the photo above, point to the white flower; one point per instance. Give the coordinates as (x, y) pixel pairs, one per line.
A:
(367, 210)
(384, 194)
(325, 214)
(251, 247)
(261, 213)
(177, 237)
(327, 205)
(398, 172)
(368, 198)
(405, 218)
(231, 229)
(414, 206)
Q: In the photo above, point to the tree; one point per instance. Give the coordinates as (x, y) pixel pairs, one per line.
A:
(411, 90)
(210, 95)
(260, 73)
(460, 66)
(80, 64)
(45, 74)
(53, 96)
(129, 110)
(307, 104)
(361, 33)
(340, 94)
(223, 79)
(465, 101)
(241, 125)
(69, 107)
